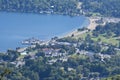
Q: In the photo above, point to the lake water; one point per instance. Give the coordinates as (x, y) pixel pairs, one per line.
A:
(15, 27)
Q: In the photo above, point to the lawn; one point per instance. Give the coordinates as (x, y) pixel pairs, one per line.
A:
(111, 40)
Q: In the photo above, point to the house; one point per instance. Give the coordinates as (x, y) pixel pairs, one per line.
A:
(23, 53)
(31, 41)
(52, 61)
(53, 52)
(21, 49)
(20, 63)
(103, 56)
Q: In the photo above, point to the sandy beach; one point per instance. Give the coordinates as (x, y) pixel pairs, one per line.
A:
(91, 26)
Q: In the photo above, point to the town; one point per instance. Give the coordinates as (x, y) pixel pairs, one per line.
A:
(54, 50)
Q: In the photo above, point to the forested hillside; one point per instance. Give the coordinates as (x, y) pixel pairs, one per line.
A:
(40, 6)
(104, 7)
(66, 7)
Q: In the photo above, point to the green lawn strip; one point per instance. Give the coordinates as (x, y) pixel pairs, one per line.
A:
(82, 36)
(76, 56)
(110, 40)
(33, 52)
(21, 56)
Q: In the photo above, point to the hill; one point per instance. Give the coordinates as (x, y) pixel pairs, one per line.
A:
(102, 7)
(65, 7)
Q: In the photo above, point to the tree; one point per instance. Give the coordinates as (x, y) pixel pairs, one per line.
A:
(10, 55)
(119, 45)
(5, 72)
(111, 50)
(88, 38)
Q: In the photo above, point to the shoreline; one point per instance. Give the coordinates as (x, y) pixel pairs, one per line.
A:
(92, 22)
(91, 26)
(75, 31)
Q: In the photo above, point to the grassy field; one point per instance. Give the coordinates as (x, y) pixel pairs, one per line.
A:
(82, 36)
(111, 40)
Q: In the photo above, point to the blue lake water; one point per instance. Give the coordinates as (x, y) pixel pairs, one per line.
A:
(15, 27)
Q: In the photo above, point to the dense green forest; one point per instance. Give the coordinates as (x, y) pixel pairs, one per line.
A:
(65, 7)
(104, 7)
(77, 67)
(40, 6)
(110, 29)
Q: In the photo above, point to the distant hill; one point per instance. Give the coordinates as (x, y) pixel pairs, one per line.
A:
(65, 7)
(104, 7)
